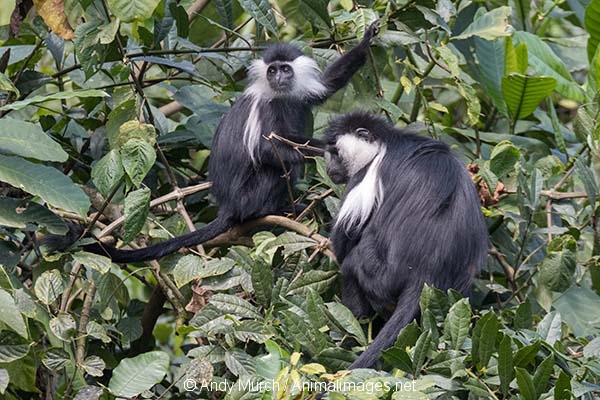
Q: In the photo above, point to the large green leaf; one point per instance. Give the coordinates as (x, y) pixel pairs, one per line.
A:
(18, 213)
(138, 156)
(315, 11)
(525, 383)
(10, 315)
(490, 55)
(545, 62)
(523, 94)
(489, 26)
(347, 320)
(48, 286)
(28, 140)
(262, 12)
(132, 10)
(17, 105)
(108, 172)
(457, 323)
(134, 375)
(136, 207)
(46, 182)
(558, 268)
(484, 339)
(506, 370)
(592, 26)
(578, 307)
(192, 267)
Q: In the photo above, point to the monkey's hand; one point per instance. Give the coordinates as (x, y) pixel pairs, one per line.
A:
(371, 31)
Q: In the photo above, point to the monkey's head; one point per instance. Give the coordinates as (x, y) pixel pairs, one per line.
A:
(284, 70)
(352, 144)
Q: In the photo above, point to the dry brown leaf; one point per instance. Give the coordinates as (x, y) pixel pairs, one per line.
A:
(53, 14)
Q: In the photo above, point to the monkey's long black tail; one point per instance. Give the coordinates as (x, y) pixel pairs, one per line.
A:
(213, 229)
(406, 310)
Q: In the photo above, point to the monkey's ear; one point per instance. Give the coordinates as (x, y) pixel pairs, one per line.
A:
(364, 133)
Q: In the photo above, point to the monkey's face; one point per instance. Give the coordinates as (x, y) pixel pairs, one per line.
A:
(280, 76)
(349, 153)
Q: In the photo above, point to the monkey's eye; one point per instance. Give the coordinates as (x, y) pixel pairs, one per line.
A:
(271, 70)
(363, 133)
(286, 68)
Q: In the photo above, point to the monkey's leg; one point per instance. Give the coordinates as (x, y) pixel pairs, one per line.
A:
(354, 297)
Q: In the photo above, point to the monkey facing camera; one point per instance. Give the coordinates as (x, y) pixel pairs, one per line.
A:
(410, 216)
(248, 172)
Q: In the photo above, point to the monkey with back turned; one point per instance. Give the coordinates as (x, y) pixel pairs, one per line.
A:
(248, 179)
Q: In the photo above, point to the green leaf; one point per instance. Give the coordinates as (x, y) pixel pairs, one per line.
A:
(261, 11)
(108, 172)
(56, 359)
(588, 179)
(420, 351)
(291, 242)
(457, 323)
(134, 375)
(562, 388)
(525, 384)
(473, 105)
(363, 17)
(190, 267)
(314, 279)
(315, 11)
(262, 282)
(489, 26)
(10, 353)
(10, 315)
(506, 370)
(249, 330)
(577, 306)
(399, 358)
(17, 105)
(138, 158)
(592, 26)
(231, 304)
(558, 268)
(97, 262)
(504, 157)
(523, 316)
(25, 139)
(522, 94)
(435, 301)
(63, 326)
(7, 85)
(346, 319)
(592, 349)
(490, 54)
(136, 207)
(308, 337)
(484, 339)
(542, 374)
(225, 10)
(132, 10)
(126, 111)
(18, 213)
(525, 355)
(94, 366)
(544, 61)
(48, 286)
(46, 182)
(549, 328)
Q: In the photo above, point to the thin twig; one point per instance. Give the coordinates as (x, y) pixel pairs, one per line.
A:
(509, 271)
(296, 146)
(83, 321)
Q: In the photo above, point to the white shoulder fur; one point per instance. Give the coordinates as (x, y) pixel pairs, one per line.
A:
(368, 194)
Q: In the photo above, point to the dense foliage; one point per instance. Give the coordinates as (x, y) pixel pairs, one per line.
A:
(108, 109)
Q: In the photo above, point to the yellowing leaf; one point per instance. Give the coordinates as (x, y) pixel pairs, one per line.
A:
(53, 14)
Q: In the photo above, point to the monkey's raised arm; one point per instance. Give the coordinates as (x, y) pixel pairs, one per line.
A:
(338, 74)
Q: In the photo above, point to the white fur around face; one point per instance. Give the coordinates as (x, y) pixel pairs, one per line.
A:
(307, 78)
(355, 152)
(368, 194)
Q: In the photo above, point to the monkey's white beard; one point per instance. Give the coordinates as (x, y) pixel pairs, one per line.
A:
(307, 78)
(365, 197)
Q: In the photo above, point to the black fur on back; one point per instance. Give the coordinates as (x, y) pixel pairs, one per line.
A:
(428, 229)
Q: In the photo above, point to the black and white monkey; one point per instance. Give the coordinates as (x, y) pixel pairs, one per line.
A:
(410, 216)
(247, 176)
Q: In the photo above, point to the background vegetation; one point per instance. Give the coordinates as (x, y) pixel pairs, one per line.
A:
(108, 109)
